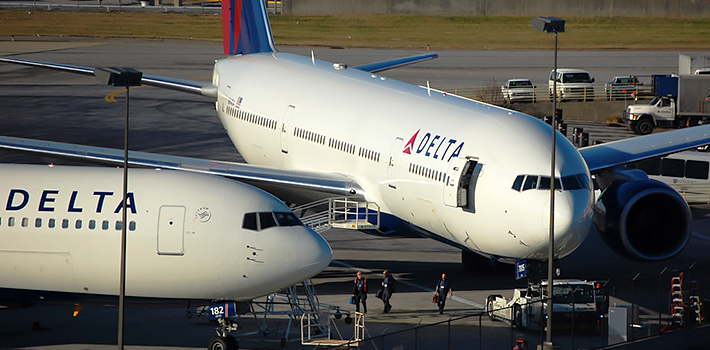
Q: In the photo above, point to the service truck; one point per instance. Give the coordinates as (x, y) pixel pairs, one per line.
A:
(571, 300)
(680, 101)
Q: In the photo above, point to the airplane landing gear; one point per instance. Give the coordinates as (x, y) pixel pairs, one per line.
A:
(223, 343)
(221, 314)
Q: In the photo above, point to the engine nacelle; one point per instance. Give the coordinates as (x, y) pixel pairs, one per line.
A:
(643, 220)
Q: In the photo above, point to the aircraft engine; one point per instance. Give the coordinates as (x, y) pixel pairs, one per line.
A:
(643, 220)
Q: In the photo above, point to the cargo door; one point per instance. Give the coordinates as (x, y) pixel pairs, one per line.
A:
(171, 230)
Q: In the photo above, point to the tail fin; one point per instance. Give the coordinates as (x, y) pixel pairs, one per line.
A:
(245, 27)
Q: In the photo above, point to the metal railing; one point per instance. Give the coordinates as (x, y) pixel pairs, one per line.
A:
(542, 93)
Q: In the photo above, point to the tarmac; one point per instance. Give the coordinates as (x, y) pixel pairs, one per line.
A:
(58, 106)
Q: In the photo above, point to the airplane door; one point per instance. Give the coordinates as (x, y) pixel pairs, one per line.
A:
(284, 128)
(171, 230)
(392, 161)
(461, 183)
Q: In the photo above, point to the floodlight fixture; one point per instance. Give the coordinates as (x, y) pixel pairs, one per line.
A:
(549, 24)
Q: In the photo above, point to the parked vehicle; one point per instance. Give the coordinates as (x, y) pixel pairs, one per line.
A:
(518, 90)
(704, 70)
(572, 299)
(572, 84)
(622, 87)
(682, 101)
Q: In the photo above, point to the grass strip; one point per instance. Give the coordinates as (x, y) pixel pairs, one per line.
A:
(379, 31)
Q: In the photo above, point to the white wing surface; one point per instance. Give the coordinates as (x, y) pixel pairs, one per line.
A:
(291, 186)
(608, 155)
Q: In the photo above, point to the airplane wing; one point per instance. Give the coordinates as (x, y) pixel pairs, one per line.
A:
(608, 155)
(398, 62)
(183, 85)
(290, 186)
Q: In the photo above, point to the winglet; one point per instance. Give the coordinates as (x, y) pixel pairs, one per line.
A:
(245, 27)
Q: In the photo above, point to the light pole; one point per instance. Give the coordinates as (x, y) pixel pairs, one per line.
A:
(121, 77)
(551, 25)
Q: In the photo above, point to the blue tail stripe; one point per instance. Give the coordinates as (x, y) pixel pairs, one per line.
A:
(255, 35)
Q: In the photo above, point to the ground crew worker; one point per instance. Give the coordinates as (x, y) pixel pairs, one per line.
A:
(388, 288)
(360, 292)
(442, 288)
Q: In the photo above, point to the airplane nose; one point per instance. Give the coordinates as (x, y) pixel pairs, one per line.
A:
(570, 219)
(314, 254)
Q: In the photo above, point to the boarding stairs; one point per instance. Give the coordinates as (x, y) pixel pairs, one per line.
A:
(313, 333)
(298, 300)
(339, 212)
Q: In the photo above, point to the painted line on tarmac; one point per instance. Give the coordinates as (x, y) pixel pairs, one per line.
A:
(416, 286)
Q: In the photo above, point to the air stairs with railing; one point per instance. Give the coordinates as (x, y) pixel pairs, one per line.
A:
(339, 212)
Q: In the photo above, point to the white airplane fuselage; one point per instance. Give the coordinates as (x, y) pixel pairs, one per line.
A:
(406, 147)
(60, 230)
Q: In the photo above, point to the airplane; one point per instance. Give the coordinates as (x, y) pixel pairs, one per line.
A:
(190, 237)
(470, 174)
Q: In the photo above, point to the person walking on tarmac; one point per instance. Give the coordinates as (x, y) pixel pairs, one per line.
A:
(360, 292)
(443, 287)
(388, 288)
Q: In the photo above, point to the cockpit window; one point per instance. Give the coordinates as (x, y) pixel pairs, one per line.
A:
(287, 219)
(530, 182)
(566, 183)
(545, 183)
(264, 220)
(249, 222)
(518, 184)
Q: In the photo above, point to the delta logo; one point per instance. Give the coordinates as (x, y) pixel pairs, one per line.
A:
(434, 146)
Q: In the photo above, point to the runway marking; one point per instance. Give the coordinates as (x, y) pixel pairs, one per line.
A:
(416, 286)
(111, 97)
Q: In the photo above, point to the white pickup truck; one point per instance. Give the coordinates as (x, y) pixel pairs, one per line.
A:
(571, 300)
(518, 90)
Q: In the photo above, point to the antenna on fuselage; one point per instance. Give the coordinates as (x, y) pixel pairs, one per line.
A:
(428, 88)
(313, 58)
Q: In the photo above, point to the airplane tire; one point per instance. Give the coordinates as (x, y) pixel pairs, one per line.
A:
(232, 343)
(222, 343)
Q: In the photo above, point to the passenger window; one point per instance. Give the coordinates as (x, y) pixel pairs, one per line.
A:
(266, 220)
(92, 224)
(11, 221)
(518, 183)
(673, 167)
(25, 221)
(530, 182)
(132, 226)
(104, 225)
(52, 222)
(119, 225)
(65, 223)
(695, 169)
(249, 221)
(77, 224)
(651, 166)
(287, 219)
(38, 222)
